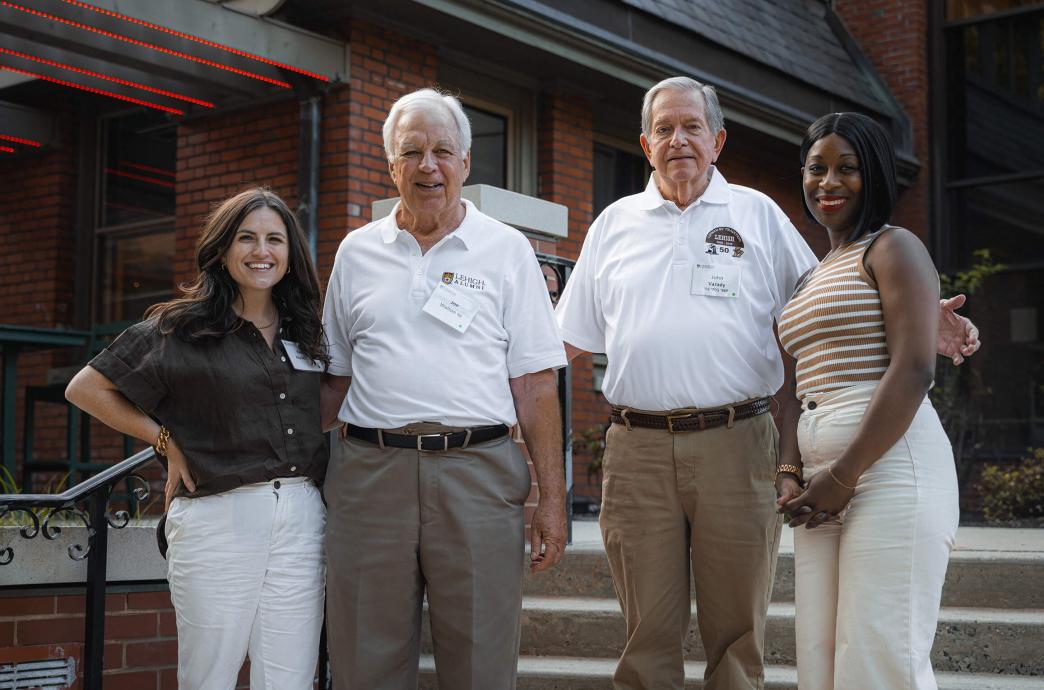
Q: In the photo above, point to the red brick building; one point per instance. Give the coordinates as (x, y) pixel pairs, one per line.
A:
(116, 139)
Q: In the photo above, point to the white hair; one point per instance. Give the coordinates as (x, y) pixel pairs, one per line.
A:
(430, 100)
(711, 108)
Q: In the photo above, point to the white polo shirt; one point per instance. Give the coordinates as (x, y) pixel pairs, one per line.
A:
(408, 366)
(683, 301)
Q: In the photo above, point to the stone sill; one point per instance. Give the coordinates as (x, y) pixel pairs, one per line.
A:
(132, 556)
(526, 213)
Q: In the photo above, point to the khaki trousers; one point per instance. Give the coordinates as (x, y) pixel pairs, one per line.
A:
(402, 523)
(701, 500)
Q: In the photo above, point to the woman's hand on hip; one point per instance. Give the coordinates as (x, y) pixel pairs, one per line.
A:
(823, 499)
(177, 473)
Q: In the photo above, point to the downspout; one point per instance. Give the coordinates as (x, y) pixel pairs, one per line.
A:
(308, 169)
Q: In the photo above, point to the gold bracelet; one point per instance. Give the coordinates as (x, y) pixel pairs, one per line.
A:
(792, 469)
(161, 441)
(834, 477)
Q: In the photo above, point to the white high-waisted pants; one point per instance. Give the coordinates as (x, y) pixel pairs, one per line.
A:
(247, 573)
(867, 591)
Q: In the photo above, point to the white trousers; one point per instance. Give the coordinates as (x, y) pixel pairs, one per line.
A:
(867, 589)
(247, 575)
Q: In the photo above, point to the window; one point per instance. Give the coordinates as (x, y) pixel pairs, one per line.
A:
(617, 173)
(134, 230)
(995, 132)
(501, 105)
(489, 150)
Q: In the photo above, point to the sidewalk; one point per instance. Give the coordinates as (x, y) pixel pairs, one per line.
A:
(980, 541)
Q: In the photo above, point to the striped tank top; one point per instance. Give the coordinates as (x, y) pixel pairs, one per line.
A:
(833, 325)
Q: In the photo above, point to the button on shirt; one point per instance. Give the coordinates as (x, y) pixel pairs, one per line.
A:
(239, 412)
(638, 294)
(406, 365)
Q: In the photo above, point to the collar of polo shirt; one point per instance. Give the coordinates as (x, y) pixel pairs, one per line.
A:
(717, 192)
(464, 232)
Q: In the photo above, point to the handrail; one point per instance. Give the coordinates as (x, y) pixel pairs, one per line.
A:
(94, 493)
(110, 475)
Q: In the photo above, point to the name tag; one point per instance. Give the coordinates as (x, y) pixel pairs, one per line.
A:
(715, 280)
(451, 306)
(299, 359)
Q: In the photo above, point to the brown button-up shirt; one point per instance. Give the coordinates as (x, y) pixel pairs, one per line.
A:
(239, 411)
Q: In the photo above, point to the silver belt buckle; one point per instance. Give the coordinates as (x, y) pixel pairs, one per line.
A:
(445, 442)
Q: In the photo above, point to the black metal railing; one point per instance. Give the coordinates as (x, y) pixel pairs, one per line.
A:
(87, 502)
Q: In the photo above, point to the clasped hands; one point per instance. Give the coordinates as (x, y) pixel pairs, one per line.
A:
(822, 499)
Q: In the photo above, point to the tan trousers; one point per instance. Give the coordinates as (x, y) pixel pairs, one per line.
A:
(402, 523)
(701, 500)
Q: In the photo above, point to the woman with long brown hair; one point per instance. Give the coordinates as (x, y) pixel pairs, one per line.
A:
(224, 382)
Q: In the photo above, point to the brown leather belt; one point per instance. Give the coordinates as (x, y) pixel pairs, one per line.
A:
(677, 421)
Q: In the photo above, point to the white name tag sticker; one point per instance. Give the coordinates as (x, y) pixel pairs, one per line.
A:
(715, 280)
(450, 305)
(299, 359)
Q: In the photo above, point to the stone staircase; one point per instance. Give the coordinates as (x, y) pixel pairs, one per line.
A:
(990, 634)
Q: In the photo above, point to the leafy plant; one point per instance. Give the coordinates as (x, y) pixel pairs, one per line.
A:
(1015, 492)
(590, 443)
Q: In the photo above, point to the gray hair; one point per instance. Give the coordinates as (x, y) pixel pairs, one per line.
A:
(711, 108)
(429, 100)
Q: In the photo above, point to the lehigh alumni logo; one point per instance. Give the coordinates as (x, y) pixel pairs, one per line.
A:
(451, 278)
(725, 241)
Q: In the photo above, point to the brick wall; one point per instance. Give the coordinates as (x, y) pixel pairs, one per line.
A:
(894, 36)
(141, 648)
(220, 156)
(565, 169)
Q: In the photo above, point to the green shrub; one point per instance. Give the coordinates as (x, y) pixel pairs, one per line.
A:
(1015, 492)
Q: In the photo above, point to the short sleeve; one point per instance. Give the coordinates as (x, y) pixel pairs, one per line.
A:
(533, 340)
(791, 259)
(136, 365)
(579, 312)
(336, 320)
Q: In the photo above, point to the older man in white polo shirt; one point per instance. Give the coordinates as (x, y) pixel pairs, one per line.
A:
(680, 286)
(442, 335)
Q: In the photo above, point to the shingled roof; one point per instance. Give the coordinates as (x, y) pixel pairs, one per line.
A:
(793, 36)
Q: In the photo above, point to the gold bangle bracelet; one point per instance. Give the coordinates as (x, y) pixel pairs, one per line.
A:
(792, 469)
(834, 477)
(161, 441)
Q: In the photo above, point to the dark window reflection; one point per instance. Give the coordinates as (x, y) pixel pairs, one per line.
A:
(136, 272)
(996, 107)
(137, 169)
(135, 236)
(1007, 219)
(488, 147)
(617, 174)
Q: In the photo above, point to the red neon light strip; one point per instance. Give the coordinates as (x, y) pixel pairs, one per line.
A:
(116, 80)
(7, 149)
(140, 178)
(91, 89)
(197, 39)
(20, 140)
(149, 168)
(143, 44)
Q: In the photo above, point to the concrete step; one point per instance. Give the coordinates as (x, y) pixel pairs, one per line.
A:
(974, 640)
(974, 578)
(572, 673)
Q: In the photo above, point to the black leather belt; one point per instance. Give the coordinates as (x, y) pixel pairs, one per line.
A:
(429, 442)
(677, 421)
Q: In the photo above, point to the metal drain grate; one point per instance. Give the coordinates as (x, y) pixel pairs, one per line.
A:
(45, 675)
